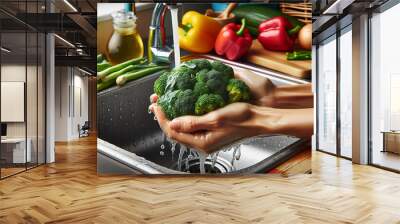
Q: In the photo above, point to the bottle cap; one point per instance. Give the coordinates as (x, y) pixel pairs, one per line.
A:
(123, 19)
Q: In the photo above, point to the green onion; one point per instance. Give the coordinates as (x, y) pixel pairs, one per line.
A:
(121, 80)
(120, 66)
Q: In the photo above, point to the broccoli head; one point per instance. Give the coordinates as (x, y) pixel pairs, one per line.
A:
(226, 70)
(184, 69)
(167, 103)
(184, 103)
(207, 103)
(216, 83)
(160, 84)
(201, 76)
(238, 91)
(201, 64)
(180, 80)
(177, 103)
(200, 88)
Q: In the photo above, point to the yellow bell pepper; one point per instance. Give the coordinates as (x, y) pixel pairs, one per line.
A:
(198, 32)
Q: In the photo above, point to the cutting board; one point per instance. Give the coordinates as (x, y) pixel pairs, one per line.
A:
(277, 61)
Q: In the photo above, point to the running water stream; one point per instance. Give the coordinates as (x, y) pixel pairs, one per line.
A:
(174, 18)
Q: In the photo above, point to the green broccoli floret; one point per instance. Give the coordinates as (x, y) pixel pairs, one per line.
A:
(160, 84)
(200, 88)
(224, 69)
(184, 104)
(180, 80)
(216, 83)
(207, 103)
(200, 64)
(184, 69)
(201, 76)
(167, 103)
(238, 91)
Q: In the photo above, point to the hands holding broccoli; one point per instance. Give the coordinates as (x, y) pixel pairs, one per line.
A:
(202, 105)
(198, 87)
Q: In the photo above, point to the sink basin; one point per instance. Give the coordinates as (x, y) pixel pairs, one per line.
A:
(130, 140)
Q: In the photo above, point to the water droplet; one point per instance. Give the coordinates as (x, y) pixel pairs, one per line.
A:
(155, 118)
(238, 154)
(162, 146)
(161, 153)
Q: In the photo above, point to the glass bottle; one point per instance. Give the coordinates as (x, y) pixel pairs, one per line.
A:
(125, 43)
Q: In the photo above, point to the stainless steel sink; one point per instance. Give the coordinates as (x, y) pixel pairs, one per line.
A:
(130, 140)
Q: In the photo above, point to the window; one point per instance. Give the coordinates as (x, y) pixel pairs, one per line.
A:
(22, 75)
(385, 89)
(327, 95)
(333, 137)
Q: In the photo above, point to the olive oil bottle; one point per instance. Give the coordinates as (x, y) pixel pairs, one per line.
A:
(125, 43)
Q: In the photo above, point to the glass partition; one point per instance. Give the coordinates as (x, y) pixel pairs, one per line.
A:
(385, 90)
(22, 88)
(327, 95)
(14, 144)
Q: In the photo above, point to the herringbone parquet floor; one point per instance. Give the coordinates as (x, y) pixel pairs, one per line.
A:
(69, 191)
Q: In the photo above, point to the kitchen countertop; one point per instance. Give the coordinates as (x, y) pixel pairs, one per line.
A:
(301, 161)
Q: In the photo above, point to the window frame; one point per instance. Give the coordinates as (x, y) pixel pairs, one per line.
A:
(339, 32)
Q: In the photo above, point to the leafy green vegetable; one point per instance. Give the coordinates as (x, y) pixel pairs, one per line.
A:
(122, 79)
(201, 76)
(207, 103)
(200, 88)
(105, 72)
(184, 103)
(197, 87)
(226, 70)
(160, 84)
(102, 63)
(100, 58)
(167, 103)
(200, 64)
(238, 91)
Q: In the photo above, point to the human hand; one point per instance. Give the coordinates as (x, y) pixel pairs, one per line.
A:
(211, 131)
(266, 93)
(262, 89)
(240, 120)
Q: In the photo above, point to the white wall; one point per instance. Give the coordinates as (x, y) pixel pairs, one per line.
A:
(14, 73)
(61, 103)
(69, 81)
(33, 127)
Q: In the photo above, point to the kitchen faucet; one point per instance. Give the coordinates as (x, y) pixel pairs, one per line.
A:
(157, 50)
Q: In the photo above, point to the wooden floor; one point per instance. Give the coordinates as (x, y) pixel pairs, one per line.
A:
(69, 191)
(386, 159)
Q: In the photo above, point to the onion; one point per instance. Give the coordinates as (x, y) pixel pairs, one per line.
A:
(305, 37)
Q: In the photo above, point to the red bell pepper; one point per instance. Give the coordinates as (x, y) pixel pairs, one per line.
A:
(277, 34)
(233, 41)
